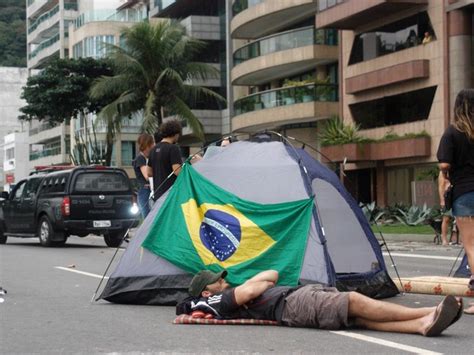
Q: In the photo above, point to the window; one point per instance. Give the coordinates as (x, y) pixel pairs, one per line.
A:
(101, 182)
(407, 107)
(31, 187)
(19, 190)
(390, 38)
(10, 153)
(128, 152)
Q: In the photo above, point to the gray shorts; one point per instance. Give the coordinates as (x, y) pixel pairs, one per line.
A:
(315, 306)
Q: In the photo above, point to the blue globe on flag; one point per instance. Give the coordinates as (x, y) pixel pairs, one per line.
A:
(220, 233)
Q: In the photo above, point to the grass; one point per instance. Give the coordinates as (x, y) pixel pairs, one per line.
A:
(403, 229)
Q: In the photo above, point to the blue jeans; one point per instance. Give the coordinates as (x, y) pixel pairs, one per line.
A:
(143, 201)
(463, 206)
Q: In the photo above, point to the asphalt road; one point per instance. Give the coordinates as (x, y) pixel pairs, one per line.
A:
(48, 310)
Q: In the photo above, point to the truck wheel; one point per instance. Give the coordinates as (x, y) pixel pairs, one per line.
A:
(3, 237)
(45, 232)
(114, 239)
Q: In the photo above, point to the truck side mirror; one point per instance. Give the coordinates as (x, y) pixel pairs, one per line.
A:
(4, 195)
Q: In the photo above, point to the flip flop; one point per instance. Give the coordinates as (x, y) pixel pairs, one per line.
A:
(460, 311)
(445, 313)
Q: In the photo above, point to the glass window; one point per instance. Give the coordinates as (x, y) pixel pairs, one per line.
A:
(407, 107)
(128, 152)
(394, 37)
(19, 190)
(95, 182)
(10, 153)
(31, 187)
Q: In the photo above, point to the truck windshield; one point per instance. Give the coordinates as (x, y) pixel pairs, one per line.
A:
(99, 182)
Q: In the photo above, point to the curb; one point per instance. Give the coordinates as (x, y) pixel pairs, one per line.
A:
(435, 285)
(425, 238)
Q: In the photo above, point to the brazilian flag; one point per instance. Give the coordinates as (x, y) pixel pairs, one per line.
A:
(201, 226)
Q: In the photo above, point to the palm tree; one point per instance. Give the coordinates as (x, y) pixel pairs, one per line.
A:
(153, 72)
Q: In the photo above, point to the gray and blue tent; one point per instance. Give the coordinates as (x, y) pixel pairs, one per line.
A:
(340, 250)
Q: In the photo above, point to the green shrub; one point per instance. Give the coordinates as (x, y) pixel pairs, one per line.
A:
(414, 216)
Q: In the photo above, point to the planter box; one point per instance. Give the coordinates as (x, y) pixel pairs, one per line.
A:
(352, 151)
(400, 148)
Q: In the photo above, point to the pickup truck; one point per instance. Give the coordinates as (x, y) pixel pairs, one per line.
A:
(79, 201)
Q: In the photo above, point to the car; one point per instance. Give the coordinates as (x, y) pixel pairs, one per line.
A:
(79, 201)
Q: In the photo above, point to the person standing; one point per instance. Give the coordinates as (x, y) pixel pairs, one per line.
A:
(165, 158)
(145, 144)
(456, 161)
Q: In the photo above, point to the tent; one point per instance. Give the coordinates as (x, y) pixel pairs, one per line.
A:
(340, 248)
(463, 269)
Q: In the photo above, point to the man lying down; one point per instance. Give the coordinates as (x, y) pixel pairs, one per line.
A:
(313, 306)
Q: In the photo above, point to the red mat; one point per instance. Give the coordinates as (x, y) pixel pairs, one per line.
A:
(187, 319)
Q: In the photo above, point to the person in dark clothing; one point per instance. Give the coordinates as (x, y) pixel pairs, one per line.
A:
(456, 161)
(314, 306)
(145, 144)
(165, 158)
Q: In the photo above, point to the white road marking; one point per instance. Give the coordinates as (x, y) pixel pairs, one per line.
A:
(421, 256)
(80, 272)
(390, 344)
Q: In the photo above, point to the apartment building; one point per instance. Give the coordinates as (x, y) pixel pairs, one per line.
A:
(47, 23)
(15, 152)
(401, 66)
(99, 23)
(12, 81)
(204, 20)
(285, 70)
(74, 29)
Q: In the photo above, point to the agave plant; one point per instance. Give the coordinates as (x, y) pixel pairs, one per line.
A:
(371, 212)
(414, 216)
(336, 132)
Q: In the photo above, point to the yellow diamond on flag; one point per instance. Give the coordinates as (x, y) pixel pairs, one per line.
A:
(222, 235)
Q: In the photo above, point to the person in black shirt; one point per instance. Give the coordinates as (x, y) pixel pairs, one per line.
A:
(313, 306)
(165, 158)
(145, 143)
(456, 161)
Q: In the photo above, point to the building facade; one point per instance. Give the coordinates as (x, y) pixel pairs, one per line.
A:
(401, 65)
(75, 29)
(285, 70)
(12, 81)
(206, 21)
(15, 152)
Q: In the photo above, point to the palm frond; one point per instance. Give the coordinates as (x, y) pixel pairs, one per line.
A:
(183, 111)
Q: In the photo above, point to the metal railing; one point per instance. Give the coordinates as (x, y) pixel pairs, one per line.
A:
(286, 96)
(45, 153)
(42, 18)
(292, 39)
(45, 44)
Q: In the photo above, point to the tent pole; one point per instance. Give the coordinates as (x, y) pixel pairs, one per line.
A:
(108, 266)
(455, 261)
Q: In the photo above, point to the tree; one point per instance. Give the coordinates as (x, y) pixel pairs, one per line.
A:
(154, 70)
(12, 33)
(61, 91)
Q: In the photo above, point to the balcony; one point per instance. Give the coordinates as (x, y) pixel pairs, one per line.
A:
(106, 15)
(35, 7)
(44, 50)
(48, 23)
(283, 54)
(258, 18)
(296, 104)
(350, 14)
(415, 69)
(203, 27)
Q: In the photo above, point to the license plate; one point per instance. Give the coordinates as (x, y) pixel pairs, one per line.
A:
(102, 224)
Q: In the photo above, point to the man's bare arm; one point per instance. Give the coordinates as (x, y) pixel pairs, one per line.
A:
(255, 286)
(267, 275)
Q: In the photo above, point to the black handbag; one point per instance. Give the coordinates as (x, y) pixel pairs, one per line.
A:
(448, 198)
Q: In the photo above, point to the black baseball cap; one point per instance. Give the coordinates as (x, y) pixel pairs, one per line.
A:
(202, 279)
